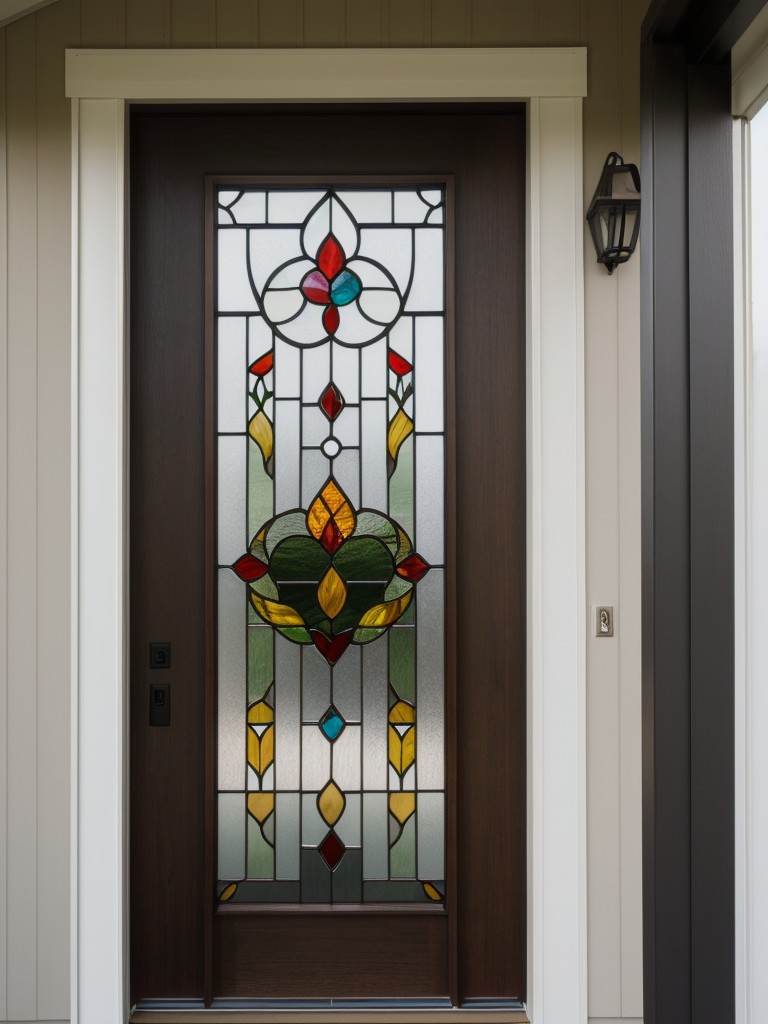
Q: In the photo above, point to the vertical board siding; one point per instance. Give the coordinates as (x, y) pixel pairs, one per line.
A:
(34, 926)
(193, 23)
(23, 453)
(56, 24)
(408, 22)
(280, 23)
(148, 23)
(102, 22)
(602, 133)
(3, 541)
(235, 20)
(504, 23)
(323, 22)
(364, 23)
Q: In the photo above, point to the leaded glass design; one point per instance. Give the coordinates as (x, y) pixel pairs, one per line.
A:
(330, 339)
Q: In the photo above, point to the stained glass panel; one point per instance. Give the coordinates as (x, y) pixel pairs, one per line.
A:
(330, 342)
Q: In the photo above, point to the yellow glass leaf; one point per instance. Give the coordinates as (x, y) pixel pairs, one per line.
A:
(261, 750)
(268, 748)
(345, 519)
(409, 749)
(317, 518)
(228, 893)
(395, 750)
(333, 496)
(331, 803)
(331, 593)
(400, 428)
(402, 806)
(261, 805)
(274, 613)
(260, 713)
(401, 712)
(431, 891)
(384, 614)
(260, 430)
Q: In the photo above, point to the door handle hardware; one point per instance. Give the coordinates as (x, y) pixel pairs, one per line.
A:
(159, 703)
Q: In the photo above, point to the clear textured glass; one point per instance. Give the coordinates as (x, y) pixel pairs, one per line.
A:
(291, 207)
(231, 373)
(346, 758)
(368, 207)
(375, 709)
(287, 835)
(430, 815)
(231, 489)
(235, 292)
(430, 688)
(374, 371)
(287, 454)
(375, 835)
(232, 682)
(428, 378)
(373, 453)
(315, 758)
(346, 372)
(429, 498)
(250, 208)
(410, 208)
(426, 293)
(231, 825)
(287, 714)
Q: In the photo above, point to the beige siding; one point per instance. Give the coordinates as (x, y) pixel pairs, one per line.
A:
(35, 455)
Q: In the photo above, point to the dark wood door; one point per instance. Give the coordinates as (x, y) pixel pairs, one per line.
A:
(183, 944)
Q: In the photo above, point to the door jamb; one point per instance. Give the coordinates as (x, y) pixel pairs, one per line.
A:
(552, 81)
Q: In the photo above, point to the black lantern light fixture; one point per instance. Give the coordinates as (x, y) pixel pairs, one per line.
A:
(614, 213)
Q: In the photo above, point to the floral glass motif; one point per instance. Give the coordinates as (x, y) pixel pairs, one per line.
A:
(330, 374)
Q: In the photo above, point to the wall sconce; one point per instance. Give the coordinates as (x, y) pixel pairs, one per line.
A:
(614, 213)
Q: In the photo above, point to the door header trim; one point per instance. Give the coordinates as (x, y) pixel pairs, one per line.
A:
(471, 73)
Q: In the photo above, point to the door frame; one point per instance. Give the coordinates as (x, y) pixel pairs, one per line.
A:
(552, 81)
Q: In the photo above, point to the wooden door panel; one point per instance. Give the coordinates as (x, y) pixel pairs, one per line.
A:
(477, 948)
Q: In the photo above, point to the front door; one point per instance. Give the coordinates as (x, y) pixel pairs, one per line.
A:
(327, 556)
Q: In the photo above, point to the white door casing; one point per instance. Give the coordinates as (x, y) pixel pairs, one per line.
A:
(552, 81)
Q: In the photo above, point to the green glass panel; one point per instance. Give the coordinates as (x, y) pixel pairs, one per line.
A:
(261, 856)
(394, 892)
(401, 488)
(402, 856)
(402, 661)
(363, 558)
(260, 662)
(299, 558)
(260, 490)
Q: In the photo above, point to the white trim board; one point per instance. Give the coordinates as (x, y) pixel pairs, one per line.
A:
(325, 75)
(557, 976)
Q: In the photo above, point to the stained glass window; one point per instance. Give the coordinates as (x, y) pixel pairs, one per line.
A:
(330, 338)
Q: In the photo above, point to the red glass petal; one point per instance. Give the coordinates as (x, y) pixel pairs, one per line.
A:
(249, 568)
(331, 537)
(413, 568)
(262, 366)
(332, 402)
(331, 319)
(330, 257)
(399, 365)
(331, 649)
(332, 850)
(315, 287)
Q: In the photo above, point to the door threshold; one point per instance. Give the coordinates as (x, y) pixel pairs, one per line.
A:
(313, 1011)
